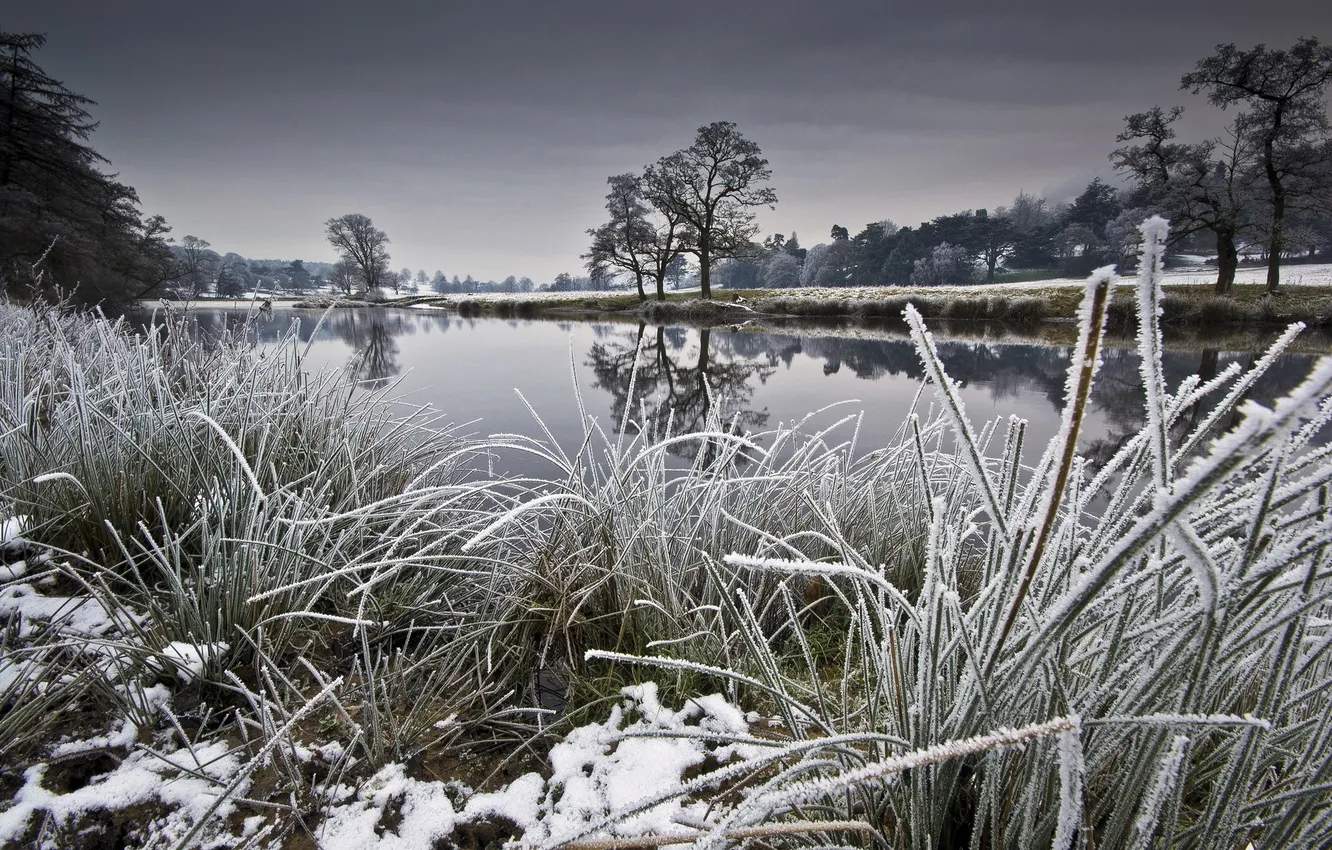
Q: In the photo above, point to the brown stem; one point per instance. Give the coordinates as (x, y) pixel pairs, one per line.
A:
(1100, 299)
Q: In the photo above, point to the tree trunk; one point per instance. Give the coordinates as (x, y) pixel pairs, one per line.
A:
(638, 278)
(709, 446)
(661, 286)
(705, 268)
(1227, 260)
(1278, 205)
(1275, 242)
(1207, 369)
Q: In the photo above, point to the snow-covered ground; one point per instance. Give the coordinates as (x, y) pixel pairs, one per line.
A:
(1319, 274)
(1313, 274)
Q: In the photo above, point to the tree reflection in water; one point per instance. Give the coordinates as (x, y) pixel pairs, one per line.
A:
(373, 340)
(678, 365)
(675, 388)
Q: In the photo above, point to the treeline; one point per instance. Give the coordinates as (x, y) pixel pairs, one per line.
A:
(198, 270)
(1264, 187)
(1031, 236)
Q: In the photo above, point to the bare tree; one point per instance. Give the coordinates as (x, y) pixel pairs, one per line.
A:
(1286, 120)
(358, 241)
(635, 239)
(993, 237)
(345, 275)
(712, 186)
(196, 265)
(1204, 186)
(621, 242)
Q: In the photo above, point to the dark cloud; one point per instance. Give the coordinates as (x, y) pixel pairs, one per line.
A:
(480, 135)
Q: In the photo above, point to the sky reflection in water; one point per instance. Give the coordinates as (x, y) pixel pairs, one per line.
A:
(469, 369)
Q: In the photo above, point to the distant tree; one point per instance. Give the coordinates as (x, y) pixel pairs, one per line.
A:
(356, 239)
(873, 246)
(1095, 207)
(231, 279)
(663, 253)
(1078, 248)
(422, 279)
(637, 239)
(840, 233)
(676, 269)
(237, 272)
(712, 186)
(346, 276)
(298, 277)
(793, 248)
(1029, 212)
(946, 264)
(829, 264)
(564, 282)
(993, 237)
(735, 273)
(1080, 243)
(781, 271)
(197, 265)
(510, 284)
(440, 282)
(400, 282)
(909, 245)
(1123, 238)
(1198, 187)
(621, 244)
(1034, 225)
(1286, 120)
(468, 284)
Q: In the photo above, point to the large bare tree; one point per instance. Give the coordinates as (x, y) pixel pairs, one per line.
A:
(1286, 119)
(358, 241)
(712, 186)
(621, 242)
(638, 239)
(1203, 186)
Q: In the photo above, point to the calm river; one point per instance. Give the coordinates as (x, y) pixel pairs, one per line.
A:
(473, 369)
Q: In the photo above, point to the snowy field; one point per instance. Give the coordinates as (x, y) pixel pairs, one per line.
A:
(1319, 274)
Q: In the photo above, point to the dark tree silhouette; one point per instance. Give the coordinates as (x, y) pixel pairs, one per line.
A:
(675, 387)
(56, 204)
(1286, 119)
(360, 243)
(1204, 186)
(712, 186)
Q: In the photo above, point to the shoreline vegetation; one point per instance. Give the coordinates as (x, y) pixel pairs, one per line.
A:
(244, 606)
(1184, 306)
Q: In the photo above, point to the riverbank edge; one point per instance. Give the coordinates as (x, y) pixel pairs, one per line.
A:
(1184, 306)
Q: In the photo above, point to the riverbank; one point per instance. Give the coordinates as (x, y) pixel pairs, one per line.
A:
(1184, 306)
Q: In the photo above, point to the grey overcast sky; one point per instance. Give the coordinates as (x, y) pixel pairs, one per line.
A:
(479, 135)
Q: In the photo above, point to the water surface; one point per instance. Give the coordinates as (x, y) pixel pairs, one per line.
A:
(473, 369)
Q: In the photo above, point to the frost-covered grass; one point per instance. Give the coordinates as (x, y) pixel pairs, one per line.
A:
(246, 606)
